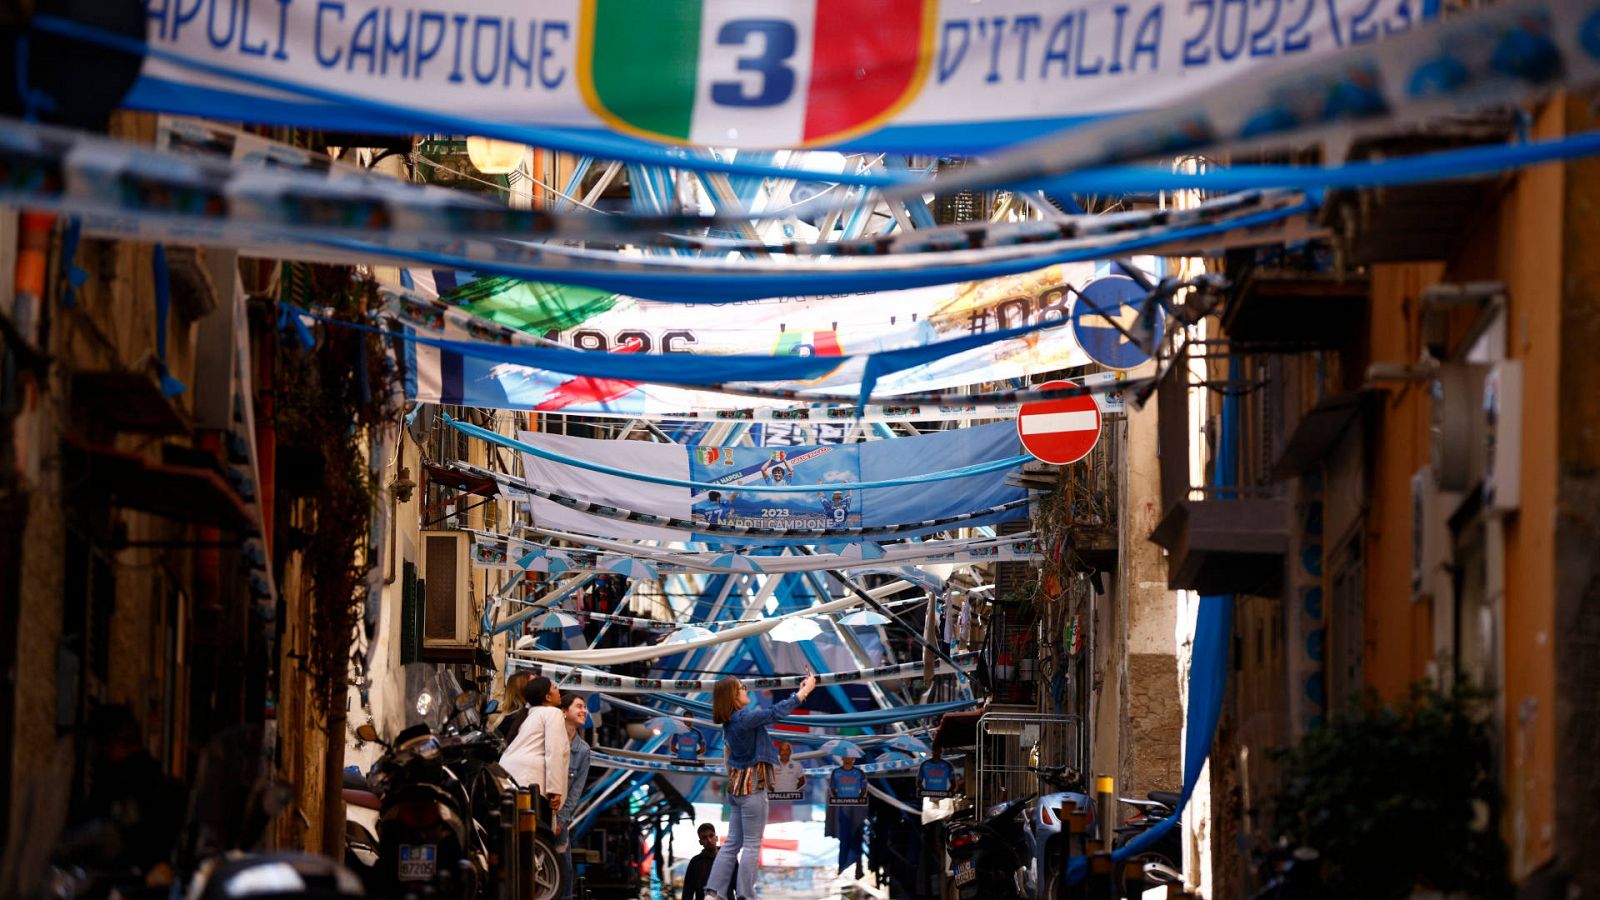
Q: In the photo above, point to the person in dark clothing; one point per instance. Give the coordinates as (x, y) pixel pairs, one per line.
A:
(699, 871)
(130, 792)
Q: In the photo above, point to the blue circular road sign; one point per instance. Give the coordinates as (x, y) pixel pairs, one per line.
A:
(1104, 304)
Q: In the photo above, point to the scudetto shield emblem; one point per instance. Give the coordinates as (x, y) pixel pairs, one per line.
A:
(782, 73)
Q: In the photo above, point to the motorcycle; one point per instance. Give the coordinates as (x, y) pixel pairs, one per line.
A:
(988, 857)
(1018, 850)
(1046, 833)
(448, 823)
(1167, 851)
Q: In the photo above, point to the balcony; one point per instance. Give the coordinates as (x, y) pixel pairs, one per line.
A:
(1230, 532)
(1284, 310)
(1418, 222)
(1225, 546)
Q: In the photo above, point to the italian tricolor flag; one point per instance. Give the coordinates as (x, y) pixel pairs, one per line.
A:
(775, 73)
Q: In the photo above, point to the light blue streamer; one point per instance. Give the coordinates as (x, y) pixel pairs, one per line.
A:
(1442, 166)
(790, 737)
(514, 444)
(1208, 683)
(708, 370)
(691, 287)
(837, 720)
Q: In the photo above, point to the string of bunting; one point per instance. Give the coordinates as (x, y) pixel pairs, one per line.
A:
(691, 280)
(574, 677)
(429, 315)
(708, 370)
(1487, 57)
(659, 626)
(840, 720)
(872, 770)
(312, 194)
(498, 551)
(77, 173)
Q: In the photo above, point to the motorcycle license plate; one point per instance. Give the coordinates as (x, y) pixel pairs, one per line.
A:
(418, 862)
(966, 872)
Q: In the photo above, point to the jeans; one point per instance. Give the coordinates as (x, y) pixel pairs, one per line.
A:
(569, 875)
(746, 823)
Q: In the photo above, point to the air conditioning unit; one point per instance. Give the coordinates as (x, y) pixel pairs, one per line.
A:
(1457, 425)
(1502, 437)
(447, 602)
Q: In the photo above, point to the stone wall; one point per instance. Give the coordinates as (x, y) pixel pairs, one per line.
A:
(1156, 724)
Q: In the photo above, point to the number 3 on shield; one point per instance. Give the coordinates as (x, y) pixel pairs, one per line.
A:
(777, 40)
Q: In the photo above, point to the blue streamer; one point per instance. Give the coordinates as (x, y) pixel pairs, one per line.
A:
(34, 100)
(514, 444)
(1208, 683)
(76, 275)
(836, 720)
(170, 387)
(699, 287)
(1442, 166)
(405, 120)
(707, 371)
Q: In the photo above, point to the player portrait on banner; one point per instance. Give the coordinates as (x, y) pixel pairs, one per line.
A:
(687, 745)
(788, 777)
(847, 785)
(936, 778)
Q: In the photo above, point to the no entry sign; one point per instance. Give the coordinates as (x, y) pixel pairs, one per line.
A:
(1059, 431)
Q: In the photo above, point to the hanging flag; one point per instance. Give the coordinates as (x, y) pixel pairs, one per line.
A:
(908, 75)
(710, 72)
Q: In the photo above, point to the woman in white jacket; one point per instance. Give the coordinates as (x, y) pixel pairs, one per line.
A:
(537, 756)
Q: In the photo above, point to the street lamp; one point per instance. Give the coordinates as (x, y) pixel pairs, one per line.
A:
(494, 157)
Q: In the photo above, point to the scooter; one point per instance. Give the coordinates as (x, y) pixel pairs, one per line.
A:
(1167, 851)
(1046, 832)
(1019, 849)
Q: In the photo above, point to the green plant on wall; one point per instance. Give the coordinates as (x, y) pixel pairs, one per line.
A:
(1396, 798)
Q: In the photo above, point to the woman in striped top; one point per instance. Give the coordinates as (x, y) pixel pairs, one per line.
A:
(751, 758)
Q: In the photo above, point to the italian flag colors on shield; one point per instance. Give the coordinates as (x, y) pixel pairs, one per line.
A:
(776, 73)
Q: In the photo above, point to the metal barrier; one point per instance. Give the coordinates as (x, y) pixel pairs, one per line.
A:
(1009, 743)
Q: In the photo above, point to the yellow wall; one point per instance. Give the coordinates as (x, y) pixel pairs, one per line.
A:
(1531, 265)
(1393, 626)
(1519, 242)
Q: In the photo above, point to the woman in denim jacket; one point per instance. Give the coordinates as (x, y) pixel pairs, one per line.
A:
(751, 758)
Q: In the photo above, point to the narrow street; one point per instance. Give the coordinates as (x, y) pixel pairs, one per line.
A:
(907, 450)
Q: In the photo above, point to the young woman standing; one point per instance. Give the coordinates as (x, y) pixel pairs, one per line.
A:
(751, 758)
(537, 757)
(575, 712)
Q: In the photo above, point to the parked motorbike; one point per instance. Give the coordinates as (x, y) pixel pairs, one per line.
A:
(1046, 833)
(989, 857)
(1018, 850)
(1167, 851)
(448, 822)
